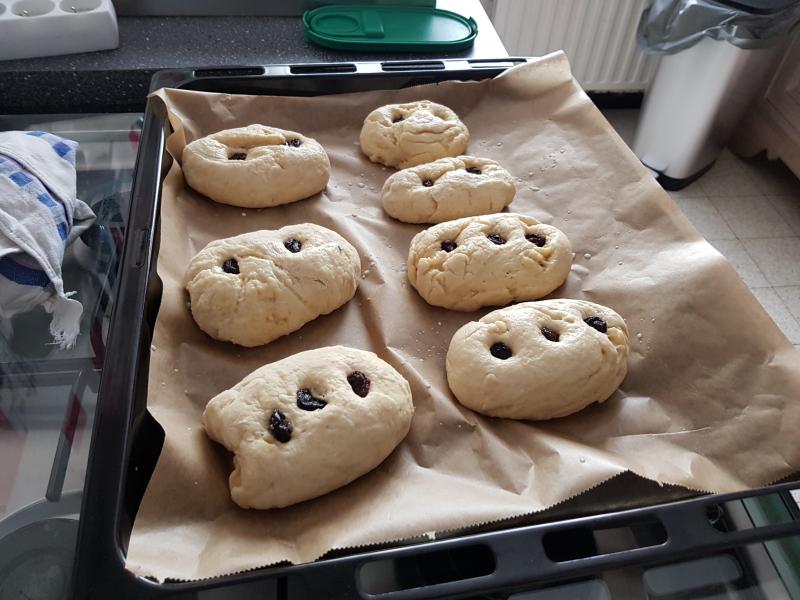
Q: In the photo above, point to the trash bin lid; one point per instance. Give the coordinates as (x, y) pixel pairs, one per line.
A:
(759, 7)
(669, 26)
(389, 28)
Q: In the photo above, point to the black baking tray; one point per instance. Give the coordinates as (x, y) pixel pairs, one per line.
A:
(668, 523)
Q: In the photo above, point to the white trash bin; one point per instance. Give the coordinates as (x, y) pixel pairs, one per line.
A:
(719, 59)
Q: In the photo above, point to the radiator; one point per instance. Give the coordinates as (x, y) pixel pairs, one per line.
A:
(599, 37)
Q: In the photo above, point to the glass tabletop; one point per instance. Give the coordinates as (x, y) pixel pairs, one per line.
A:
(48, 395)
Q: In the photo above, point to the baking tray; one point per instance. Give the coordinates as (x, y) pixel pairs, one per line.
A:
(668, 523)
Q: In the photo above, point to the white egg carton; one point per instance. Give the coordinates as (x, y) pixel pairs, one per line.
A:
(31, 28)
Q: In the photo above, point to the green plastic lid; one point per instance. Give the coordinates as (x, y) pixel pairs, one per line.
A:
(389, 28)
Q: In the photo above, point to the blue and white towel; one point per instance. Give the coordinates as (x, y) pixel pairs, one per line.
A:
(40, 216)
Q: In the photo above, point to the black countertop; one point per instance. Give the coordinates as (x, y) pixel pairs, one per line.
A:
(118, 80)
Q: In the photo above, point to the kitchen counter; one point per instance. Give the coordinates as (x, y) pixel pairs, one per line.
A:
(118, 80)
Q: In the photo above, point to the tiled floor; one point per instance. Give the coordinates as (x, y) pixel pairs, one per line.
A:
(749, 209)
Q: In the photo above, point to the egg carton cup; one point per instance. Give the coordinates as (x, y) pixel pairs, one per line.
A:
(32, 28)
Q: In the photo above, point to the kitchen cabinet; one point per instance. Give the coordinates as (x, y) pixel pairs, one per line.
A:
(773, 123)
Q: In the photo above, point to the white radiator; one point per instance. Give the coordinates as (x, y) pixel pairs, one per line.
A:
(599, 37)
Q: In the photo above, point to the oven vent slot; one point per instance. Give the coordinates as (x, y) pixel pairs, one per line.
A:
(229, 72)
(583, 542)
(426, 569)
(327, 68)
(416, 65)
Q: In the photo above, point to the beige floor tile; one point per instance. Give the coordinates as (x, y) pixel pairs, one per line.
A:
(747, 269)
(772, 177)
(791, 298)
(693, 190)
(752, 217)
(728, 178)
(772, 303)
(777, 258)
(624, 120)
(789, 208)
(703, 215)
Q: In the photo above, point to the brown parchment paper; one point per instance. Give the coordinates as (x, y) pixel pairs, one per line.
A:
(710, 401)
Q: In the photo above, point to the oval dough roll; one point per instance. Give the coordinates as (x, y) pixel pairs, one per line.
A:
(446, 189)
(538, 360)
(258, 286)
(308, 424)
(489, 260)
(256, 166)
(404, 135)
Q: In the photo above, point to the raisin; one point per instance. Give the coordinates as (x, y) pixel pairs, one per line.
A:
(427, 183)
(294, 142)
(237, 156)
(474, 170)
(449, 245)
(359, 382)
(307, 401)
(500, 350)
(536, 239)
(231, 266)
(597, 323)
(398, 118)
(550, 334)
(496, 238)
(280, 426)
(293, 245)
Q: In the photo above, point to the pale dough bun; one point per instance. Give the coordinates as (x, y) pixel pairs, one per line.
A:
(404, 135)
(253, 288)
(489, 260)
(256, 166)
(538, 360)
(308, 424)
(446, 189)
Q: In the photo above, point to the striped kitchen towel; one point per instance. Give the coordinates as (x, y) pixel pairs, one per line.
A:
(39, 216)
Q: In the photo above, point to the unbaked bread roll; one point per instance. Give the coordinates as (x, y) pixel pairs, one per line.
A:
(404, 135)
(252, 288)
(308, 424)
(256, 166)
(490, 260)
(538, 360)
(446, 189)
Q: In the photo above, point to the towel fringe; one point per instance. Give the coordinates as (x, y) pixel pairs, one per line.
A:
(66, 322)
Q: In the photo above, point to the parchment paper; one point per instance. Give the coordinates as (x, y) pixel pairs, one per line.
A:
(710, 401)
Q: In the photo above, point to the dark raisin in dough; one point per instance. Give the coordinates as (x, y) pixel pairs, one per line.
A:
(293, 245)
(449, 245)
(359, 382)
(550, 334)
(496, 238)
(597, 323)
(500, 350)
(294, 142)
(280, 426)
(474, 170)
(398, 119)
(536, 239)
(237, 156)
(307, 401)
(427, 183)
(231, 266)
